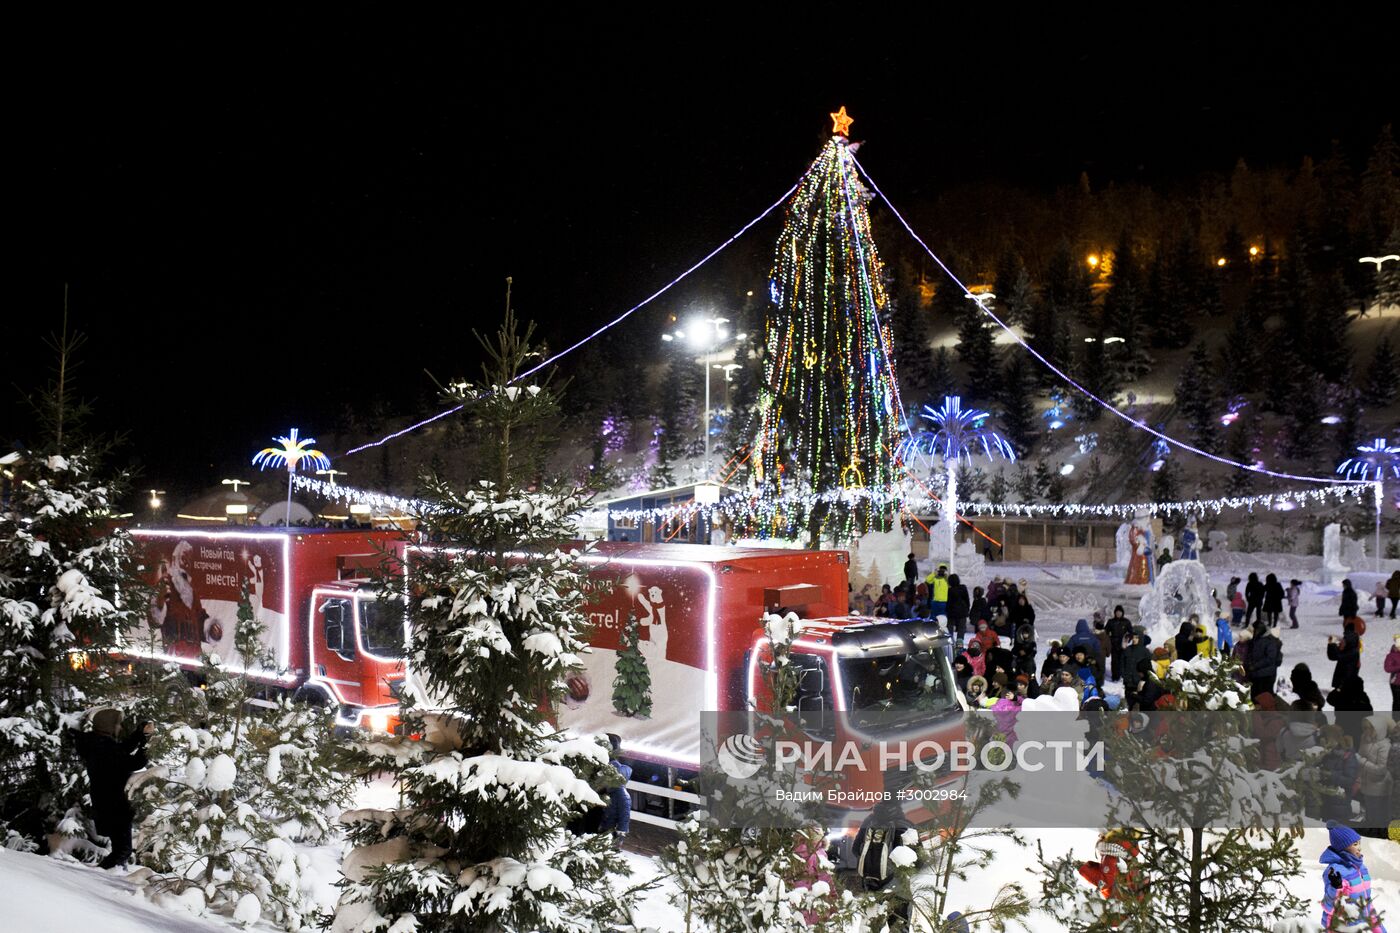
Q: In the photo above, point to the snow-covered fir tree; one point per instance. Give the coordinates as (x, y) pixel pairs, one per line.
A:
(65, 600)
(497, 621)
(68, 595)
(230, 787)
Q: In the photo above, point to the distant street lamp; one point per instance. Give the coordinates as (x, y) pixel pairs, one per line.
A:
(707, 335)
(332, 474)
(235, 483)
(155, 498)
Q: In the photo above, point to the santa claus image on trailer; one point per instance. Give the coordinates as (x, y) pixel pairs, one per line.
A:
(175, 608)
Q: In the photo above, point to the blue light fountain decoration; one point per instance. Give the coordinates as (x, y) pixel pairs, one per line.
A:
(1376, 462)
(959, 434)
(291, 453)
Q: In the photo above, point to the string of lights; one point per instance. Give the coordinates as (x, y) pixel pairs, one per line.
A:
(1106, 405)
(746, 507)
(608, 326)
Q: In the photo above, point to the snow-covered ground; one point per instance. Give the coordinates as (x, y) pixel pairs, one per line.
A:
(45, 894)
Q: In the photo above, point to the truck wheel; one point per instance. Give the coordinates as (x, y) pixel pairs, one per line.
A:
(312, 696)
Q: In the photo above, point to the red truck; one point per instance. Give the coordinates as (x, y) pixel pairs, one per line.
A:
(329, 640)
(695, 612)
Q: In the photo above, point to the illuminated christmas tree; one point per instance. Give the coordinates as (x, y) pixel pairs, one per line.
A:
(830, 406)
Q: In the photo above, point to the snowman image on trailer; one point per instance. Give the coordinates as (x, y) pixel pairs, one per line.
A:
(653, 621)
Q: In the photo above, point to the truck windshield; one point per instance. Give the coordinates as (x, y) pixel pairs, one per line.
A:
(897, 689)
(381, 628)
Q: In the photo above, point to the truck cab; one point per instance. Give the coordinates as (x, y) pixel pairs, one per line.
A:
(356, 651)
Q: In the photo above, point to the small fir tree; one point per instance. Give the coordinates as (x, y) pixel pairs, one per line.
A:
(497, 622)
(941, 379)
(632, 683)
(760, 880)
(202, 829)
(1381, 381)
(1203, 860)
(1015, 295)
(977, 351)
(1196, 397)
(1018, 411)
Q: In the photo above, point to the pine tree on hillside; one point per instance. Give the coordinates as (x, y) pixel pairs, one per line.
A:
(1018, 411)
(1239, 447)
(1302, 412)
(1166, 482)
(1381, 378)
(1241, 362)
(1097, 372)
(1197, 399)
(977, 351)
(941, 381)
(497, 622)
(1380, 188)
(1388, 277)
(1066, 296)
(913, 358)
(1326, 334)
(1015, 294)
(1348, 435)
(1123, 311)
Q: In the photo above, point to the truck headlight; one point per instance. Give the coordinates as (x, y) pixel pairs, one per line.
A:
(379, 722)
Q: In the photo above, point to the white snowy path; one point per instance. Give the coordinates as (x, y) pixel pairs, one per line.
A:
(46, 895)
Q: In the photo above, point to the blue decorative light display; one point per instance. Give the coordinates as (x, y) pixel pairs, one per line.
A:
(292, 453)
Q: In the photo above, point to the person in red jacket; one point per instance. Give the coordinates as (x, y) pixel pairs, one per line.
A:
(1392, 667)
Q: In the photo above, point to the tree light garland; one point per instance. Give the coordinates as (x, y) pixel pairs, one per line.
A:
(829, 410)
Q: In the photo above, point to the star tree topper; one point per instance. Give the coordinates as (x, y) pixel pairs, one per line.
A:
(840, 123)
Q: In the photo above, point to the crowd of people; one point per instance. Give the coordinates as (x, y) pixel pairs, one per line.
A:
(998, 664)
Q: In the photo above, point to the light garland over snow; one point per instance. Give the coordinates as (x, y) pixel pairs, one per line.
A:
(747, 506)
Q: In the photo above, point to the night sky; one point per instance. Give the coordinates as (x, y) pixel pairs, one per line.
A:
(262, 223)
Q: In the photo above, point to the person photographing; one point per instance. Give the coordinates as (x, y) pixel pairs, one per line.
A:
(110, 760)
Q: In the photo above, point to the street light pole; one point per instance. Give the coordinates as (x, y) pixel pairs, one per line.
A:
(705, 361)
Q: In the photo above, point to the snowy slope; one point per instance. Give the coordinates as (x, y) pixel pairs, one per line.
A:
(46, 895)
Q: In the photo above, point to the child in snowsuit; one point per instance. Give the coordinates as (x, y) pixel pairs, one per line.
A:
(1344, 877)
(617, 819)
(110, 762)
